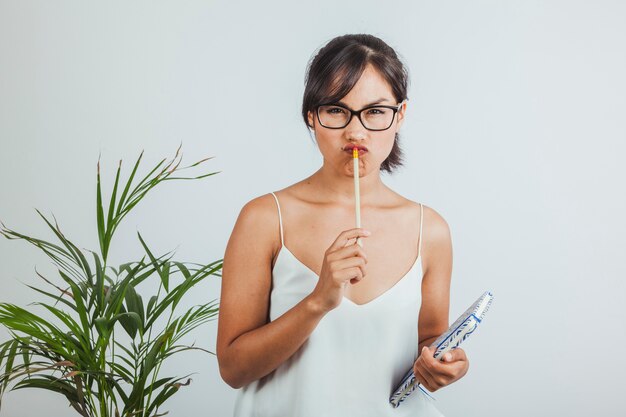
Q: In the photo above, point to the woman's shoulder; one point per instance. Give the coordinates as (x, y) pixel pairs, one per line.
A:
(260, 209)
(257, 227)
(433, 220)
(264, 207)
(437, 244)
(258, 219)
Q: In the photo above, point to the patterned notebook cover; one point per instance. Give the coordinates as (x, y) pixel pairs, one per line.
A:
(451, 339)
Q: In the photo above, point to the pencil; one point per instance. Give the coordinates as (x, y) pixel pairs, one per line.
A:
(357, 195)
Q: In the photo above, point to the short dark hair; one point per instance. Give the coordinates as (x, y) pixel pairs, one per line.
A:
(336, 67)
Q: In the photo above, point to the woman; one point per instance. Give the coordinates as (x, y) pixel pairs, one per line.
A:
(311, 323)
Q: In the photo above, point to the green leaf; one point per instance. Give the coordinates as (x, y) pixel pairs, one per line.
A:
(192, 178)
(97, 296)
(166, 393)
(8, 367)
(151, 303)
(131, 322)
(151, 358)
(100, 216)
(75, 253)
(164, 276)
(181, 266)
(72, 326)
(125, 373)
(128, 184)
(112, 203)
(17, 319)
(50, 383)
(116, 299)
(174, 296)
(134, 303)
(78, 295)
(103, 327)
(58, 255)
(56, 298)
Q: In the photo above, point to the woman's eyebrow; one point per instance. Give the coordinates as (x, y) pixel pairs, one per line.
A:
(380, 100)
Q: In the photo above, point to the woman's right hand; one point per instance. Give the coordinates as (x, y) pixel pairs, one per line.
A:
(342, 264)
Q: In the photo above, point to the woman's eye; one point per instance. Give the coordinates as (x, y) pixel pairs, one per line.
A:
(335, 110)
(376, 111)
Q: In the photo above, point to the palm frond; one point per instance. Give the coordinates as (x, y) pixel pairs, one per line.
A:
(72, 346)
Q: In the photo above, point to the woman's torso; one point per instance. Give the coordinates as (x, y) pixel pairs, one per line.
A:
(359, 351)
(310, 226)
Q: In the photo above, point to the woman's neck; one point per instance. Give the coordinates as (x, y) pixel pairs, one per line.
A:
(340, 189)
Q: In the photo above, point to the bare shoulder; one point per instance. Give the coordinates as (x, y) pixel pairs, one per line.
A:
(258, 223)
(437, 225)
(437, 241)
(258, 207)
(246, 270)
(438, 228)
(255, 237)
(437, 244)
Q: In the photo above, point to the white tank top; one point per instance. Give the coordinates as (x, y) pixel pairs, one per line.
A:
(352, 361)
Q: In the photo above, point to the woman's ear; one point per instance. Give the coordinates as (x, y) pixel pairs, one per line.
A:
(311, 119)
(401, 113)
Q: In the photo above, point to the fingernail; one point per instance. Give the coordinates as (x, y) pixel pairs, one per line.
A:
(448, 356)
(367, 232)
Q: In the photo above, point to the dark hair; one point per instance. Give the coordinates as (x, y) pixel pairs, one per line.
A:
(337, 67)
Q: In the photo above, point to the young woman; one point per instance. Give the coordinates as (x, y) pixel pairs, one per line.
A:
(311, 323)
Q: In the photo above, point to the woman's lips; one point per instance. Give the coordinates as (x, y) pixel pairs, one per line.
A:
(361, 153)
(348, 149)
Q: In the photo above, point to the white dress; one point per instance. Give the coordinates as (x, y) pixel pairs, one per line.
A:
(354, 358)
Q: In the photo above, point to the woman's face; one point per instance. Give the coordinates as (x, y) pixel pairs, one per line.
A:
(370, 89)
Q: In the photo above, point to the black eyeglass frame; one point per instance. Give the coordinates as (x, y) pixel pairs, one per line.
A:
(357, 113)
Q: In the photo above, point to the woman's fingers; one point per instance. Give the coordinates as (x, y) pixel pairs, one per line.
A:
(419, 368)
(348, 253)
(345, 236)
(423, 379)
(441, 373)
(342, 264)
(457, 354)
(428, 373)
(351, 252)
(348, 264)
(348, 274)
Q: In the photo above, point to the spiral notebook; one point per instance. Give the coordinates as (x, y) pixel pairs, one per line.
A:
(450, 339)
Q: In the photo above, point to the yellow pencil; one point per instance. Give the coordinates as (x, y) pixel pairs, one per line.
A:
(357, 196)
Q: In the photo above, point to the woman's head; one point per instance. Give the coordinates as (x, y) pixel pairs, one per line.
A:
(359, 61)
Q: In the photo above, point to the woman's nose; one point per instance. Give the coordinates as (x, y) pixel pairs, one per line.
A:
(355, 129)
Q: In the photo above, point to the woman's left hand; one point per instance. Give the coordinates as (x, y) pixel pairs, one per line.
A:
(434, 373)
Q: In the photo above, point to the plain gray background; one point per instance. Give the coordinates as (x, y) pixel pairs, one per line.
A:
(515, 134)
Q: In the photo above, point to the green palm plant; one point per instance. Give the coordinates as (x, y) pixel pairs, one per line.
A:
(95, 341)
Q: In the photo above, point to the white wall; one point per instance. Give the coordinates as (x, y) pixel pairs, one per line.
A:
(515, 134)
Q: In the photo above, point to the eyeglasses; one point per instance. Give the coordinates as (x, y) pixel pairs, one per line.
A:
(336, 116)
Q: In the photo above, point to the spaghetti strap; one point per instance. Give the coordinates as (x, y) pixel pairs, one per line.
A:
(280, 220)
(419, 247)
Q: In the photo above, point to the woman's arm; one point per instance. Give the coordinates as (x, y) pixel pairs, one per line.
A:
(437, 252)
(433, 318)
(248, 345)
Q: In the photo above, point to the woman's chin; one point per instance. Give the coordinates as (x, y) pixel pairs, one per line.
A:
(349, 171)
